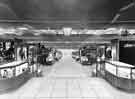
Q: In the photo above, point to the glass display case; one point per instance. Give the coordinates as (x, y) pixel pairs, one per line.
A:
(119, 74)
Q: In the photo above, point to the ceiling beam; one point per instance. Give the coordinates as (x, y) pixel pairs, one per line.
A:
(127, 7)
(121, 10)
(52, 21)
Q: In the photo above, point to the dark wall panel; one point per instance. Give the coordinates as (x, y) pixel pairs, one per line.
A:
(127, 52)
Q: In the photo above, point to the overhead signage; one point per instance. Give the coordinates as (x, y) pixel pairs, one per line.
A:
(67, 31)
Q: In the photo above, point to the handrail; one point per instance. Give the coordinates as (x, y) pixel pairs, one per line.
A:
(119, 65)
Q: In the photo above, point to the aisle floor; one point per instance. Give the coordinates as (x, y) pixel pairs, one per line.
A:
(67, 79)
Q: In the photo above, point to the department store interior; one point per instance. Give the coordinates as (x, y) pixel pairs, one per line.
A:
(67, 49)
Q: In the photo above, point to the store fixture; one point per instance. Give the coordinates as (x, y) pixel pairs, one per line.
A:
(14, 67)
(120, 70)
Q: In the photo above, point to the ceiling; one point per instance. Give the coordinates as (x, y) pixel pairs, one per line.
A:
(59, 13)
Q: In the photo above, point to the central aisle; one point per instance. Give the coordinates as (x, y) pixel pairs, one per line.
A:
(67, 79)
(68, 68)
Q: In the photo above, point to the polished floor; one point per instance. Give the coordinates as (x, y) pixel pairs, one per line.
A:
(67, 79)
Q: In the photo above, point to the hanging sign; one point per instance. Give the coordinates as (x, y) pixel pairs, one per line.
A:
(67, 31)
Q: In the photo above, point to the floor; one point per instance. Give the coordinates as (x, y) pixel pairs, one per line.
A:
(67, 79)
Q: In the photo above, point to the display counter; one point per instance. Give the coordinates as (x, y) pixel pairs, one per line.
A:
(13, 75)
(119, 74)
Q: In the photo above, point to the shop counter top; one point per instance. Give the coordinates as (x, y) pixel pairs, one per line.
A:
(120, 69)
(12, 64)
(120, 64)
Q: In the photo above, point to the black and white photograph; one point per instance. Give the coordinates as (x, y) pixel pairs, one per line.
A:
(67, 49)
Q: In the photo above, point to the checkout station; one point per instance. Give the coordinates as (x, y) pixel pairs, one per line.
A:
(119, 69)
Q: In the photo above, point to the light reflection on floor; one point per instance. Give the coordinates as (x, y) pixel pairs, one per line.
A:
(67, 79)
